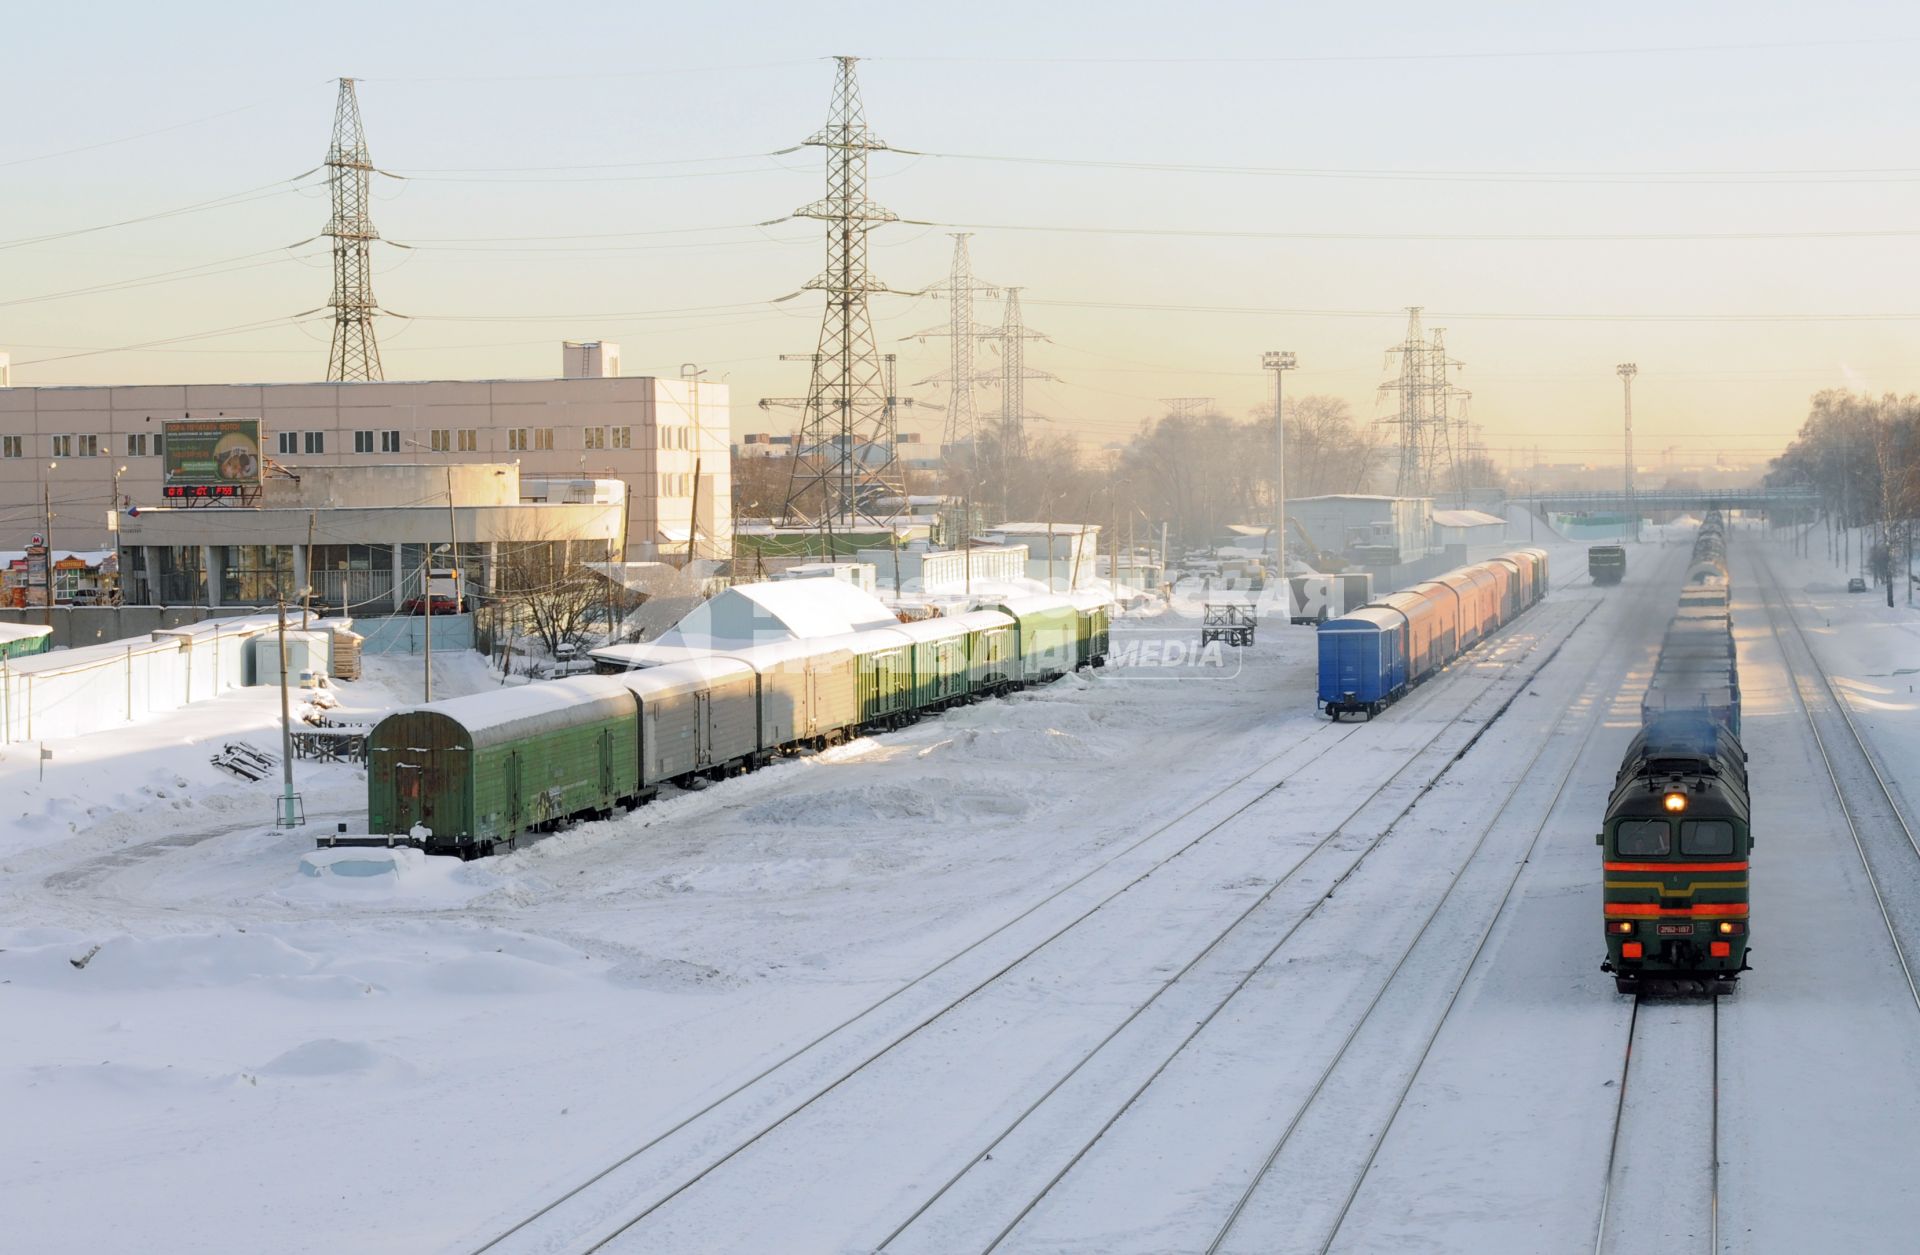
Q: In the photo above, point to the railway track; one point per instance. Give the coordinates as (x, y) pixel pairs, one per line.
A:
(1662, 1185)
(1367, 1063)
(601, 1210)
(1882, 836)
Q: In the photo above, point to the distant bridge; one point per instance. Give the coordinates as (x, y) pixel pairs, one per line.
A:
(1798, 496)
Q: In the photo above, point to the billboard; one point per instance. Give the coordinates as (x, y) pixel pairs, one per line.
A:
(212, 457)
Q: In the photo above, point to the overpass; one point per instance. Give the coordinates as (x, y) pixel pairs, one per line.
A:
(1795, 498)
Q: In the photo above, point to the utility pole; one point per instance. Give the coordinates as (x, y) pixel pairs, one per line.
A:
(1279, 364)
(306, 593)
(426, 581)
(287, 803)
(46, 502)
(354, 355)
(1626, 371)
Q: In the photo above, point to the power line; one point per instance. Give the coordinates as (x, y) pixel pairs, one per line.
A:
(1392, 57)
(265, 191)
(1374, 237)
(1276, 312)
(1891, 174)
(127, 139)
(237, 329)
(226, 265)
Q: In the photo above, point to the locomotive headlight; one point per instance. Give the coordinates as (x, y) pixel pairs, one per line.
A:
(1623, 927)
(1676, 802)
(1726, 927)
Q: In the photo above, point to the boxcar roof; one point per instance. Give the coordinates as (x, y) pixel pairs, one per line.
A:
(530, 709)
(1366, 618)
(680, 677)
(1032, 603)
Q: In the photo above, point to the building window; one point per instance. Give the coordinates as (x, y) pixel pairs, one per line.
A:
(136, 445)
(10, 447)
(623, 437)
(389, 442)
(363, 442)
(159, 444)
(596, 438)
(440, 440)
(517, 439)
(469, 439)
(316, 441)
(85, 446)
(63, 446)
(543, 437)
(289, 442)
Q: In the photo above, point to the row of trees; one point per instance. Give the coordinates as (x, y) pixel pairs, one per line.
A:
(1197, 472)
(1861, 454)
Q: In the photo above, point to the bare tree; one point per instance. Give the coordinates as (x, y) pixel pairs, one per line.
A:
(545, 584)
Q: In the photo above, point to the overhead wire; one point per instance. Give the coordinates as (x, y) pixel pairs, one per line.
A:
(265, 191)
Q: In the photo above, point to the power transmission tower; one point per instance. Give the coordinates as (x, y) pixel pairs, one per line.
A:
(961, 435)
(1187, 407)
(845, 460)
(355, 355)
(1427, 401)
(1011, 440)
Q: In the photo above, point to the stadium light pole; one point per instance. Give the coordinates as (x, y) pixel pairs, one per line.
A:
(1626, 371)
(1279, 364)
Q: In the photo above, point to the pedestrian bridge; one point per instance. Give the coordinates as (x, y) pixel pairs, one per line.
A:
(1799, 496)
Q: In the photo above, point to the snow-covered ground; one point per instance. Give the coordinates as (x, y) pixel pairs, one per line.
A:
(1144, 961)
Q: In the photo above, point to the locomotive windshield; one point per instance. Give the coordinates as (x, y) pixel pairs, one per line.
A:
(1706, 836)
(1643, 837)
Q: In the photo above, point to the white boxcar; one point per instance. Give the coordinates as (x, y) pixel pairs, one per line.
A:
(809, 690)
(697, 716)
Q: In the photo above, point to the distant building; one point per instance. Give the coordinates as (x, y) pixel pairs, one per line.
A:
(1363, 527)
(362, 537)
(650, 433)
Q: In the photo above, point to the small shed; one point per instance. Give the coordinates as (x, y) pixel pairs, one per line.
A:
(1467, 527)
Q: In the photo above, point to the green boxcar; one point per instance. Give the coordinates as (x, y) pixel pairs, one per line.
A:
(940, 665)
(993, 655)
(1095, 627)
(1047, 636)
(886, 678)
(479, 771)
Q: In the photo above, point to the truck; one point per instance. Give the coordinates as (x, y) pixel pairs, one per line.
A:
(1607, 564)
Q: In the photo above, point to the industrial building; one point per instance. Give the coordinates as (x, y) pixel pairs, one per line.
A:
(361, 537)
(1367, 529)
(72, 457)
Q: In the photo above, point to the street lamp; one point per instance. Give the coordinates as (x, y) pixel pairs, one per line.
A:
(1279, 364)
(1626, 371)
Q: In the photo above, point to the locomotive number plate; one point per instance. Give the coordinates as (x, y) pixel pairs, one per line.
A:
(1676, 930)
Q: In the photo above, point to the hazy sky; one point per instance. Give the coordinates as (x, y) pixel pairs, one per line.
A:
(563, 156)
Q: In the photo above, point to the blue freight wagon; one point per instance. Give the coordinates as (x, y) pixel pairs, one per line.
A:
(1363, 661)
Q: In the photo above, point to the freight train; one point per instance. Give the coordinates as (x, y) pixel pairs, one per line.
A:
(1677, 837)
(1372, 656)
(474, 774)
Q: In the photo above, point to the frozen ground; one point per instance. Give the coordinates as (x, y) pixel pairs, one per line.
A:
(1150, 960)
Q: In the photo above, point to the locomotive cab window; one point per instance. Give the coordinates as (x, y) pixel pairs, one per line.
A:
(1643, 837)
(1706, 836)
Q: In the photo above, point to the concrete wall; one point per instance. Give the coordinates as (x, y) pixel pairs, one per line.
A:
(74, 627)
